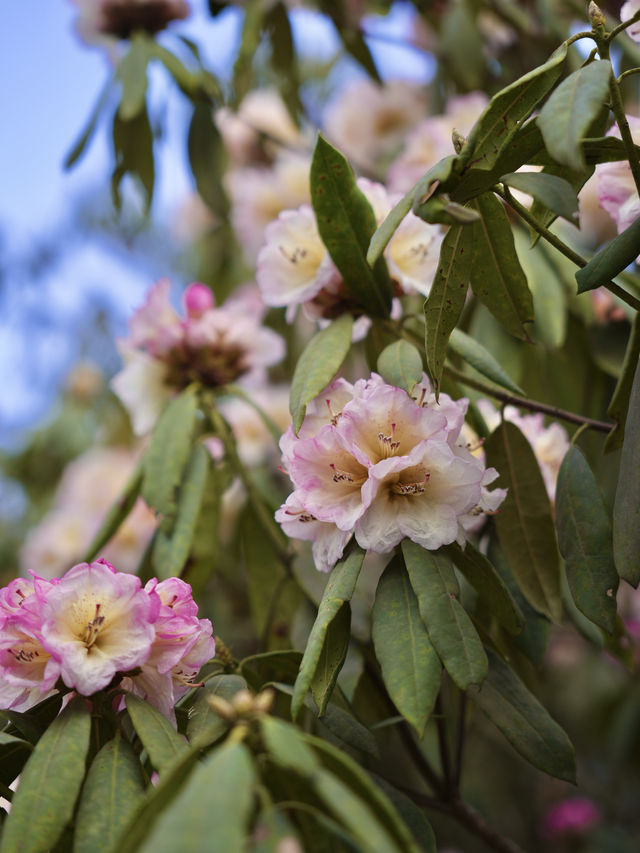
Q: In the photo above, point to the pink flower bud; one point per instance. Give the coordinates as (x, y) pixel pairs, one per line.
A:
(197, 299)
(574, 817)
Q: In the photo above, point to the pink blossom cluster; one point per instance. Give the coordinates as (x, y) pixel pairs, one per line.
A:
(373, 462)
(96, 627)
(210, 345)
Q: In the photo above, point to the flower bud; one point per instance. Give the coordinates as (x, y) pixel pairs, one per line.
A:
(458, 140)
(596, 17)
(243, 702)
(197, 299)
(263, 702)
(222, 708)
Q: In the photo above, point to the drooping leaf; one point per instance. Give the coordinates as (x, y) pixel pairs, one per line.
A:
(441, 173)
(400, 364)
(450, 629)
(80, 145)
(620, 400)
(567, 115)
(269, 666)
(387, 228)
(493, 591)
(346, 223)
(204, 726)
(158, 736)
(340, 587)
(585, 540)
(550, 190)
(287, 746)
(610, 261)
(351, 37)
(605, 149)
(14, 754)
(283, 56)
(167, 455)
(50, 783)
(112, 791)
(547, 289)
(460, 44)
(207, 157)
(132, 73)
(481, 359)
(524, 722)
(211, 813)
(116, 515)
(250, 38)
(411, 669)
(318, 364)
(32, 724)
(524, 523)
(626, 510)
(332, 657)
(133, 150)
(497, 278)
(446, 299)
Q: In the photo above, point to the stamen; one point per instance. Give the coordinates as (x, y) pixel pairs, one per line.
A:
(302, 515)
(388, 443)
(340, 476)
(23, 656)
(295, 256)
(93, 628)
(335, 416)
(405, 489)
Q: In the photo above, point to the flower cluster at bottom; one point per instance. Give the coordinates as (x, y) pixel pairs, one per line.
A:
(371, 461)
(96, 627)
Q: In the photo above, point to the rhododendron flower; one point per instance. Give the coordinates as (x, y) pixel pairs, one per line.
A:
(372, 461)
(572, 818)
(120, 18)
(213, 346)
(616, 187)
(628, 10)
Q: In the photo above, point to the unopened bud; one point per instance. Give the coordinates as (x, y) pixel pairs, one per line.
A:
(458, 140)
(197, 299)
(263, 702)
(222, 708)
(224, 655)
(242, 702)
(596, 17)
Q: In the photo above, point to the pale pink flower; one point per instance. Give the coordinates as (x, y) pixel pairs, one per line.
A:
(96, 622)
(328, 540)
(628, 10)
(616, 187)
(254, 442)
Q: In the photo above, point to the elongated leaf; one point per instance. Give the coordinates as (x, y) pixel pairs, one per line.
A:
(400, 364)
(524, 722)
(547, 289)
(411, 815)
(493, 591)
(351, 37)
(168, 452)
(620, 401)
(113, 789)
(332, 657)
(387, 228)
(411, 669)
(450, 629)
(211, 813)
(116, 515)
(346, 223)
(158, 736)
(287, 747)
(172, 550)
(566, 116)
(550, 190)
(524, 523)
(50, 784)
(318, 364)
(339, 589)
(132, 73)
(14, 754)
(283, 57)
(605, 149)
(611, 260)
(481, 359)
(204, 726)
(495, 128)
(585, 540)
(133, 150)
(32, 724)
(80, 145)
(207, 157)
(439, 175)
(497, 278)
(446, 299)
(269, 666)
(626, 510)
(250, 39)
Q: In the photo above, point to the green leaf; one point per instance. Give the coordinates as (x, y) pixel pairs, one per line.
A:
(605, 149)
(340, 587)
(553, 192)
(411, 669)
(547, 289)
(481, 359)
(524, 722)
(112, 791)
(132, 73)
(318, 364)
(502, 117)
(484, 578)
(270, 666)
(171, 550)
(80, 145)
(116, 515)
(207, 157)
(49, 784)
(400, 364)
(566, 116)
(287, 747)
(332, 657)
(446, 299)
(133, 150)
(619, 404)
(346, 223)
(158, 736)
(611, 260)
(204, 726)
(250, 38)
(439, 174)
(497, 278)
(351, 37)
(167, 455)
(461, 46)
(411, 815)
(32, 724)
(211, 813)
(524, 523)
(450, 629)
(387, 228)
(283, 57)
(585, 540)
(626, 510)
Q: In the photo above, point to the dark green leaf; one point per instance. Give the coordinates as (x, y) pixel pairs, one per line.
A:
(167, 455)
(283, 56)
(605, 149)
(461, 46)
(78, 149)
(547, 289)
(204, 726)
(497, 278)
(207, 157)
(620, 401)
(271, 666)
(493, 591)
(266, 574)
(287, 747)
(133, 149)
(116, 515)
(132, 73)
(567, 115)
(211, 813)
(411, 669)
(450, 629)
(411, 814)
(343, 726)
(481, 359)
(440, 173)
(158, 736)
(332, 657)
(50, 783)
(400, 364)
(351, 38)
(113, 789)
(524, 523)
(585, 540)
(446, 299)
(32, 724)
(14, 754)
(318, 364)
(346, 223)
(611, 260)
(388, 227)
(550, 190)
(626, 510)
(524, 722)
